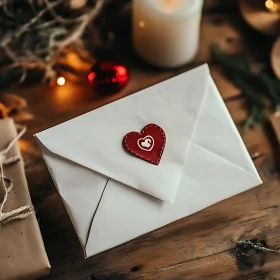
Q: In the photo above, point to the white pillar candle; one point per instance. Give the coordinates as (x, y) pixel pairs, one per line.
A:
(166, 32)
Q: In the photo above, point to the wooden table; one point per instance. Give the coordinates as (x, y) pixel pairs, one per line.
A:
(197, 247)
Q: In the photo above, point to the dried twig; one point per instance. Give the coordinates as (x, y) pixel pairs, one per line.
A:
(250, 247)
(50, 8)
(5, 8)
(25, 27)
(81, 28)
(40, 39)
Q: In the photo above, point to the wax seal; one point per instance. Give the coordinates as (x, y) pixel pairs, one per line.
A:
(148, 144)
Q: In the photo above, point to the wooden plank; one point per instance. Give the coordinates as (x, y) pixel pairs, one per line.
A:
(227, 89)
(197, 247)
(58, 231)
(221, 266)
(257, 140)
(187, 244)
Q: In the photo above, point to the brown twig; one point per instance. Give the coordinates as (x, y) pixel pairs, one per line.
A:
(5, 8)
(46, 24)
(62, 33)
(76, 34)
(37, 17)
(58, 18)
(8, 51)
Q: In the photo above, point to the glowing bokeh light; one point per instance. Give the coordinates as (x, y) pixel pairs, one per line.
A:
(60, 81)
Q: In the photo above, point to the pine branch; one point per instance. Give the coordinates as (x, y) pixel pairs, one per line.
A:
(256, 87)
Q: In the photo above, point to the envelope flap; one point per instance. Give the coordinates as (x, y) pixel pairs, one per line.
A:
(75, 185)
(217, 133)
(94, 140)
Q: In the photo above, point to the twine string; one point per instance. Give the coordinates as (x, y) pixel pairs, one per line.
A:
(21, 212)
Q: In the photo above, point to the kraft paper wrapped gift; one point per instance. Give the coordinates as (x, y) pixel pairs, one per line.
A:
(105, 189)
(22, 252)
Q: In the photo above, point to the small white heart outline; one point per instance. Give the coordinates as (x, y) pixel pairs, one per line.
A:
(140, 139)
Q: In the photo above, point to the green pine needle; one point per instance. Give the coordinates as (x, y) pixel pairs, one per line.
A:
(256, 88)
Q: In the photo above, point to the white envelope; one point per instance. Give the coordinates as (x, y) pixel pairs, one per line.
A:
(112, 196)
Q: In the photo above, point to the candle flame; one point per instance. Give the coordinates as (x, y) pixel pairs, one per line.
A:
(170, 6)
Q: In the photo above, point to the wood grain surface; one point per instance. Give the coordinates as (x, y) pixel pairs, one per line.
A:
(197, 247)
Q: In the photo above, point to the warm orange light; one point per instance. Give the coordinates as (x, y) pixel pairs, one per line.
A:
(23, 144)
(74, 60)
(273, 5)
(141, 23)
(169, 6)
(60, 81)
(269, 4)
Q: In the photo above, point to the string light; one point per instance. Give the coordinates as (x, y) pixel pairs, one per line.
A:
(272, 5)
(60, 81)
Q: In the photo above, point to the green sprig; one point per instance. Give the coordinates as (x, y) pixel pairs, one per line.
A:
(256, 87)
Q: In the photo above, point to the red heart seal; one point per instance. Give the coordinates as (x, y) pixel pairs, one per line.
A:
(147, 145)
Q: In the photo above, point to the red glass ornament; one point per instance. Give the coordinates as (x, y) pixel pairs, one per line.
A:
(108, 76)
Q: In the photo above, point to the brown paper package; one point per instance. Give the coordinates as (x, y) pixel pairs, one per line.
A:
(22, 252)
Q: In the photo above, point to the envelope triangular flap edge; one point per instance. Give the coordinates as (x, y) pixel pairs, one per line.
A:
(70, 138)
(217, 133)
(92, 234)
(80, 189)
(216, 169)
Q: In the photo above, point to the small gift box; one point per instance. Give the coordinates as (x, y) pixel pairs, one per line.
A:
(22, 252)
(147, 160)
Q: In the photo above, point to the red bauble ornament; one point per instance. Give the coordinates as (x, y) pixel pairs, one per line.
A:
(108, 76)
